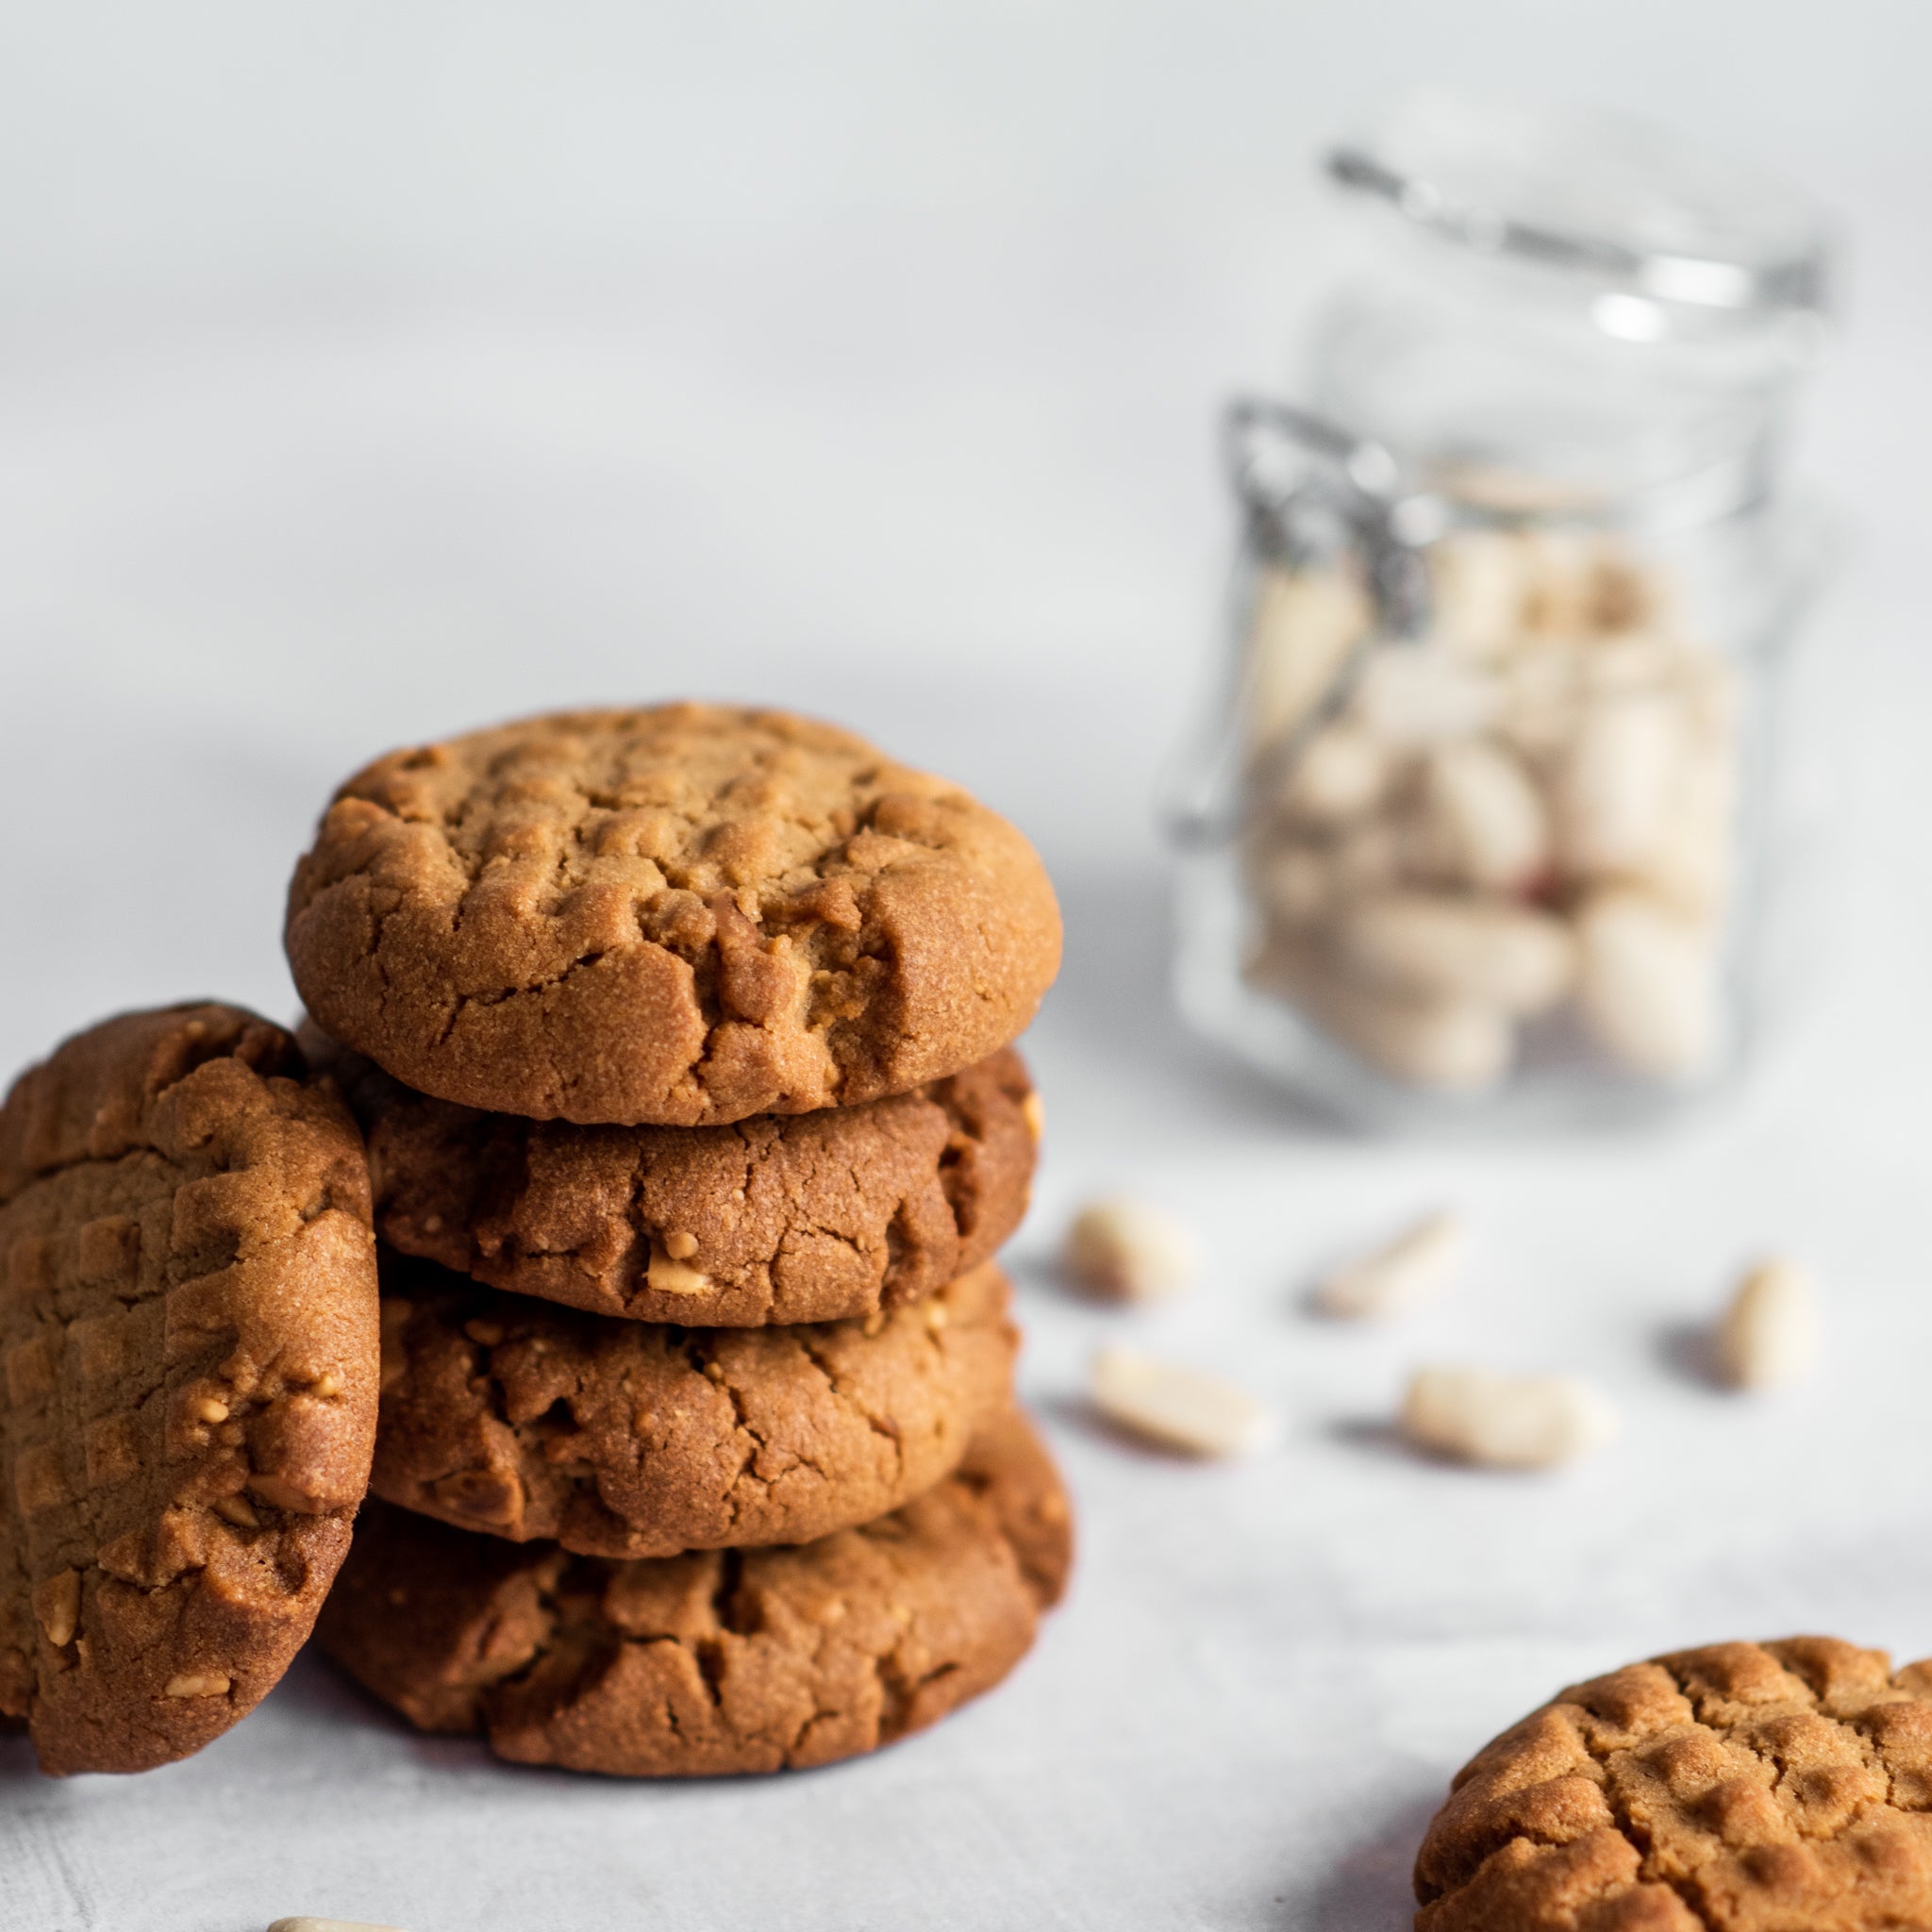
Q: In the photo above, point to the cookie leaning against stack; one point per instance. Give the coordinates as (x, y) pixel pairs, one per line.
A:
(681, 1040)
(188, 1378)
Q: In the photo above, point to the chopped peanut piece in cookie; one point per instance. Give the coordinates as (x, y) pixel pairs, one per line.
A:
(1178, 1407)
(1126, 1250)
(198, 1683)
(667, 1275)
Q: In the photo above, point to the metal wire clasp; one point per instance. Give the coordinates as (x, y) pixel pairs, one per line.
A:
(1306, 485)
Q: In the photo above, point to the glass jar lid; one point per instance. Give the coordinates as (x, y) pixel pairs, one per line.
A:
(1632, 208)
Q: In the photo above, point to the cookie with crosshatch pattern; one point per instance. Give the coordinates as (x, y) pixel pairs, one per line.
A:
(679, 915)
(789, 1218)
(636, 1438)
(189, 1351)
(720, 1661)
(1778, 1786)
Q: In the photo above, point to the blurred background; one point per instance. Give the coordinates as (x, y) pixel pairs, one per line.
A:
(372, 372)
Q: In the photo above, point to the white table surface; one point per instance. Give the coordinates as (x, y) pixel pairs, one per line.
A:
(931, 457)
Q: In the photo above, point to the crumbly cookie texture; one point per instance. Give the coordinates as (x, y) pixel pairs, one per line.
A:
(682, 915)
(784, 1219)
(718, 1661)
(189, 1351)
(631, 1438)
(1741, 1788)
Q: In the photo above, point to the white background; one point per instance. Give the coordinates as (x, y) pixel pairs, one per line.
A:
(371, 371)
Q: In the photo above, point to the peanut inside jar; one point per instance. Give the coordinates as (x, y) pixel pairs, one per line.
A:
(1515, 827)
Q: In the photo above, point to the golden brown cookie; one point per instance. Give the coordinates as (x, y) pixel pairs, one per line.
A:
(1741, 1788)
(682, 915)
(786, 1218)
(189, 1341)
(716, 1663)
(631, 1438)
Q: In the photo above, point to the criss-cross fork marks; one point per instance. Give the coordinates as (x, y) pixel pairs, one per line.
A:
(1737, 1787)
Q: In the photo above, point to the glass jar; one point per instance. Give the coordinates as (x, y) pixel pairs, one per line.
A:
(1482, 826)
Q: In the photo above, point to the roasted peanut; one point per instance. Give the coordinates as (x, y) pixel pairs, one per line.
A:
(1482, 822)
(1450, 946)
(1401, 1275)
(1178, 1407)
(1646, 983)
(1767, 1333)
(1505, 1422)
(1128, 1252)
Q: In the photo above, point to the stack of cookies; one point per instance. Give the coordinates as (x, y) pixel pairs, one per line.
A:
(624, 1220)
(680, 1039)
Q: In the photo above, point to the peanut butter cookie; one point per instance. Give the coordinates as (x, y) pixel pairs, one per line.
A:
(189, 1340)
(786, 1218)
(679, 916)
(719, 1661)
(630, 1439)
(1741, 1788)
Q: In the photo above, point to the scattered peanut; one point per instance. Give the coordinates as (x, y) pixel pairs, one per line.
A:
(1767, 1332)
(1504, 1421)
(1178, 1408)
(308, 1924)
(1128, 1252)
(680, 1245)
(1401, 1275)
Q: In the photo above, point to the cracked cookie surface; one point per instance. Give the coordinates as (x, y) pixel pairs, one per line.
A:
(681, 915)
(719, 1661)
(1740, 1787)
(633, 1439)
(189, 1361)
(782, 1219)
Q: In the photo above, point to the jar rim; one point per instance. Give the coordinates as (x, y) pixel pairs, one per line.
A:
(1610, 198)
